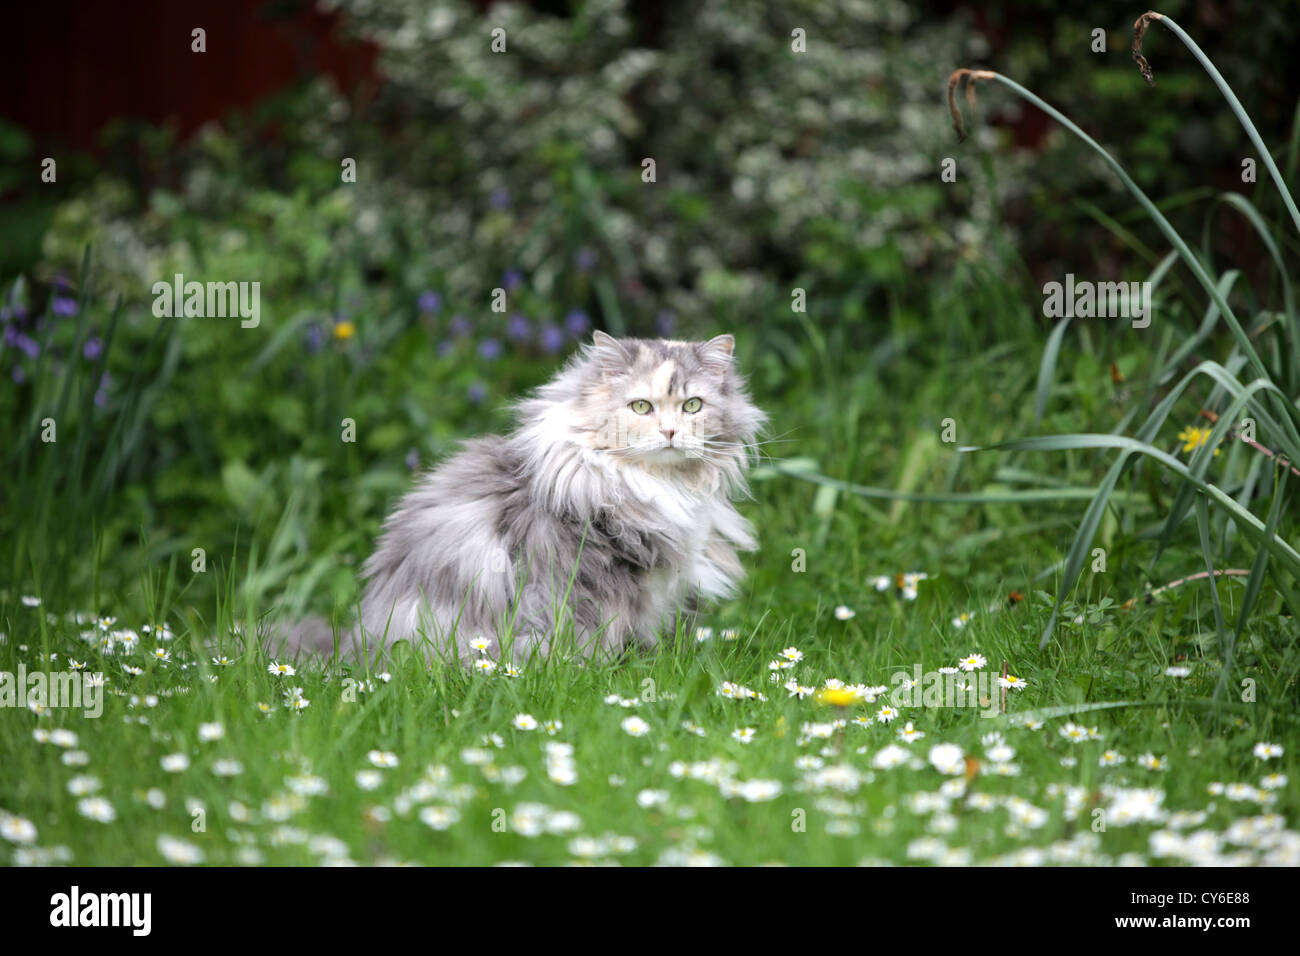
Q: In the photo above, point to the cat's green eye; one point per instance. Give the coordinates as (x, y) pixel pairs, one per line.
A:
(642, 407)
(692, 405)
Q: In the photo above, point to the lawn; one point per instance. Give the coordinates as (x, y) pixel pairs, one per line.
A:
(722, 746)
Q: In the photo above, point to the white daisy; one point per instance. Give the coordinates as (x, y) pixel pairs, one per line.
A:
(178, 851)
(909, 733)
(175, 763)
(439, 818)
(889, 757)
(17, 829)
(947, 758)
(1073, 732)
(1151, 762)
(97, 809)
(83, 785)
(635, 727)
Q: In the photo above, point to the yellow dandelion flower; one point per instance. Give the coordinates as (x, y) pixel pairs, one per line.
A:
(837, 696)
(1193, 438)
(345, 330)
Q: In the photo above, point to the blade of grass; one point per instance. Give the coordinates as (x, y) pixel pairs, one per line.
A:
(1287, 409)
(1139, 29)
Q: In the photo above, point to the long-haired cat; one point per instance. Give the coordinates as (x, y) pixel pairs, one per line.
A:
(605, 515)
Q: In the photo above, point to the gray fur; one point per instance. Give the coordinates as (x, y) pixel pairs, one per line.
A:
(591, 518)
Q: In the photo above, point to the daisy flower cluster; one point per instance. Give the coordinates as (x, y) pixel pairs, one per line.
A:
(734, 691)
(483, 664)
(498, 776)
(905, 586)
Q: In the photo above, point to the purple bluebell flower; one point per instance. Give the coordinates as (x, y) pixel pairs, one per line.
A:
(430, 302)
(460, 326)
(93, 348)
(412, 460)
(578, 323)
(500, 198)
(314, 339)
(63, 306)
(29, 346)
(477, 393)
(18, 374)
(665, 323)
(512, 279)
(552, 339)
(489, 349)
(445, 348)
(586, 259)
(518, 328)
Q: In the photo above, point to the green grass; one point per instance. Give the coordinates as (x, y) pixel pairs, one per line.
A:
(440, 717)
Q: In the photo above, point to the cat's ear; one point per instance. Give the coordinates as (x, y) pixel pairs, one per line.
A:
(715, 354)
(609, 353)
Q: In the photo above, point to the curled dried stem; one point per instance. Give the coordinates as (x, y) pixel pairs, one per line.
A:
(1139, 31)
(971, 77)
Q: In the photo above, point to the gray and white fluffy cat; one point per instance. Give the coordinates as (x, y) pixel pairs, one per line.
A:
(606, 512)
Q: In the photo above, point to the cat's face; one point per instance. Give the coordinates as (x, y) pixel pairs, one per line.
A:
(657, 402)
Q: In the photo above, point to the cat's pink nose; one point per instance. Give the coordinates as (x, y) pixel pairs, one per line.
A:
(668, 433)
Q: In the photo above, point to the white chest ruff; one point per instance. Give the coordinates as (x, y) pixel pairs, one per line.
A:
(708, 568)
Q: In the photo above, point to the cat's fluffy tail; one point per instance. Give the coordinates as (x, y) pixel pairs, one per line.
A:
(310, 637)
